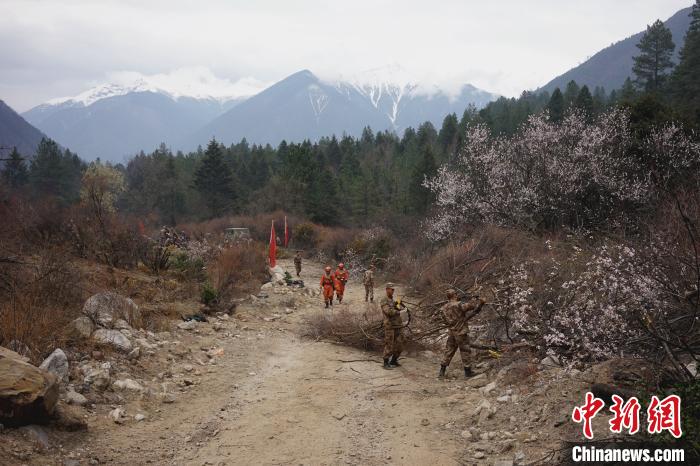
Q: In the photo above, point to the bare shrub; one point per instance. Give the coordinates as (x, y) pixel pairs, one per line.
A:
(238, 267)
(39, 296)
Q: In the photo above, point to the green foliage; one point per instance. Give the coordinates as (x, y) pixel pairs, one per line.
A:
(421, 197)
(209, 294)
(656, 50)
(556, 106)
(181, 262)
(685, 81)
(56, 174)
(214, 181)
(584, 101)
(304, 235)
(15, 172)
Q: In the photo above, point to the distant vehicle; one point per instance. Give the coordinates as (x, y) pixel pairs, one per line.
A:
(238, 234)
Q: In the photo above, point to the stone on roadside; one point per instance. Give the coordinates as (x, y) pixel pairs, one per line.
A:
(139, 417)
(487, 389)
(75, 398)
(57, 363)
(128, 384)
(28, 394)
(134, 354)
(106, 308)
(82, 327)
(113, 338)
(69, 418)
(117, 415)
(189, 325)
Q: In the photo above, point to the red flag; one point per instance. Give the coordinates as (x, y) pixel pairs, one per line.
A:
(286, 232)
(273, 246)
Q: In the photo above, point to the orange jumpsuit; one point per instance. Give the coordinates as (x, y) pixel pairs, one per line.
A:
(328, 282)
(341, 278)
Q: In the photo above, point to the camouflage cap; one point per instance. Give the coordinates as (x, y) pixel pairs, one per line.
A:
(389, 285)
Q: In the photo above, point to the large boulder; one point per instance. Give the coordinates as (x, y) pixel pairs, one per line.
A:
(113, 338)
(57, 363)
(28, 394)
(106, 309)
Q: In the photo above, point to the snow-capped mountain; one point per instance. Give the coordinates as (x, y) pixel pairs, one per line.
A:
(303, 106)
(137, 112)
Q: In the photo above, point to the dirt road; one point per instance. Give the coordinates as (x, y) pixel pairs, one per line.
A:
(274, 398)
(250, 389)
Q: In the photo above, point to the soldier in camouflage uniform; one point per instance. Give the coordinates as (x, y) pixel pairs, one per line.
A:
(457, 315)
(368, 281)
(297, 263)
(393, 326)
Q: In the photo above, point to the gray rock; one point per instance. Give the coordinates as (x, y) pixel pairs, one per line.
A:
(128, 384)
(134, 354)
(82, 327)
(121, 324)
(467, 435)
(139, 417)
(113, 338)
(57, 363)
(97, 377)
(189, 325)
(551, 361)
(75, 398)
(105, 309)
(487, 389)
(117, 415)
(266, 286)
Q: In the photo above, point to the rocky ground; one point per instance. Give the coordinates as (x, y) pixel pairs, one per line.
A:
(249, 389)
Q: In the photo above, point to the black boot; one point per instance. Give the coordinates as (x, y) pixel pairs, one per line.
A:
(386, 364)
(468, 372)
(442, 371)
(395, 361)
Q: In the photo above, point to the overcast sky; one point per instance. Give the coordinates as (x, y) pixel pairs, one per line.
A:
(54, 48)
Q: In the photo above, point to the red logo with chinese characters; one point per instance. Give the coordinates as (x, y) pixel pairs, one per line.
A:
(662, 415)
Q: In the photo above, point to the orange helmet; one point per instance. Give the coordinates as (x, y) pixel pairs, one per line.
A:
(341, 265)
(328, 269)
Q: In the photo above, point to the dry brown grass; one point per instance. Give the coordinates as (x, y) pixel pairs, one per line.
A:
(238, 268)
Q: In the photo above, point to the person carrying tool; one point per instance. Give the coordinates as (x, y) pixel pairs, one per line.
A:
(327, 286)
(341, 278)
(457, 315)
(393, 328)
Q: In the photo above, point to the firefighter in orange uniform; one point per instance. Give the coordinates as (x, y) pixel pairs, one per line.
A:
(328, 286)
(341, 278)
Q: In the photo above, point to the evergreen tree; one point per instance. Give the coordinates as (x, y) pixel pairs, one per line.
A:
(15, 173)
(571, 92)
(686, 77)
(447, 137)
(322, 198)
(628, 92)
(55, 174)
(214, 181)
(584, 101)
(556, 106)
(420, 197)
(656, 49)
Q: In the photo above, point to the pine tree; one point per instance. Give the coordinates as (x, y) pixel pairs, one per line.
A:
(685, 80)
(447, 137)
(627, 92)
(584, 101)
(656, 49)
(214, 181)
(55, 174)
(15, 173)
(420, 197)
(556, 106)
(571, 92)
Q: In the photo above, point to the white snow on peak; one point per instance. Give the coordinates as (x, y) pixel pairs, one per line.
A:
(197, 82)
